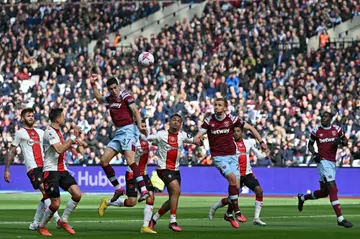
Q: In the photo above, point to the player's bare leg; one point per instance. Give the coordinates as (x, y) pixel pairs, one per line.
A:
(164, 209)
(174, 194)
(48, 214)
(322, 193)
(110, 173)
(130, 159)
(258, 205)
(71, 204)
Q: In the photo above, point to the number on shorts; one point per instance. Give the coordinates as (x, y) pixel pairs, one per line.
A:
(126, 141)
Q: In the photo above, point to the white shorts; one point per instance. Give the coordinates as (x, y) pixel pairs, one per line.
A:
(327, 170)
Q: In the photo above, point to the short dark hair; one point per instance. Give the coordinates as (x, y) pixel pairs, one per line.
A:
(223, 100)
(327, 112)
(176, 115)
(55, 113)
(25, 111)
(112, 81)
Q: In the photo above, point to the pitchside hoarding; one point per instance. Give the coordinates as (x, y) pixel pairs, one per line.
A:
(201, 180)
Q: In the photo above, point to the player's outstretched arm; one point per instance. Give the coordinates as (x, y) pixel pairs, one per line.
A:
(256, 135)
(200, 135)
(61, 148)
(8, 161)
(136, 113)
(97, 94)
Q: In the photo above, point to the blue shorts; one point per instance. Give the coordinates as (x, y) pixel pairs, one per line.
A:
(327, 170)
(227, 164)
(125, 138)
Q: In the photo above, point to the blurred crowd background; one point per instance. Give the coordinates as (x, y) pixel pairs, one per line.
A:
(253, 53)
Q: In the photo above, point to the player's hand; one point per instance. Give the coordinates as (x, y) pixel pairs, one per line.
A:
(77, 131)
(317, 158)
(198, 142)
(79, 142)
(142, 130)
(7, 176)
(264, 145)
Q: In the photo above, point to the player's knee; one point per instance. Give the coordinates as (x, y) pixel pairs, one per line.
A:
(259, 192)
(77, 196)
(55, 205)
(103, 162)
(131, 202)
(333, 189)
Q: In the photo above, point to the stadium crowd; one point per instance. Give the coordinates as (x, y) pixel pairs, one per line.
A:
(254, 54)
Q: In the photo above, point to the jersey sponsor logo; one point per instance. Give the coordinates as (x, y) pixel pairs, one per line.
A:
(327, 140)
(31, 142)
(115, 105)
(220, 131)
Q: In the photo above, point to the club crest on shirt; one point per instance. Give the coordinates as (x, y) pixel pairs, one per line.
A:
(32, 133)
(212, 125)
(172, 139)
(226, 124)
(333, 133)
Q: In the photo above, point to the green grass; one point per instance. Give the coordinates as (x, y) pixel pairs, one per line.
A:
(281, 215)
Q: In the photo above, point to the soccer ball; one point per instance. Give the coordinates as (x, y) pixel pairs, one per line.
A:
(146, 59)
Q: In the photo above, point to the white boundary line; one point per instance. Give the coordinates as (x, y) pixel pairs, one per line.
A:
(181, 219)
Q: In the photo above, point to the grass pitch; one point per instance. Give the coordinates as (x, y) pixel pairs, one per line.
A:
(283, 220)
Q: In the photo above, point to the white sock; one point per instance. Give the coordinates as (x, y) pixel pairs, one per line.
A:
(39, 212)
(218, 205)
(156, 216)
(148, 209)
(340, 219)
(47, 203)
(172, 218)
(117, 187)
(143, 189)
(48, 214)
(302, 198)
(118, 203)
(258, 206)
(70, 207)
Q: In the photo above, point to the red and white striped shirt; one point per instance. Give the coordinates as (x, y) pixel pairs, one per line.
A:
(30, 142)
(52, 160)
(141, 156)
(245, 147)
(170, 147)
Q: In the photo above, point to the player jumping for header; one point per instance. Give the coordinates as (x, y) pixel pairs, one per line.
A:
(327, 137)
(122, 110)
(142, 157)
(248, 179)
(220, 130)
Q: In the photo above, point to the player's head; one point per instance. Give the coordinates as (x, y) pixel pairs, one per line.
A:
(113, 86)
(143, 123)
(176, 122)
(27, 115)
(238, 133)
(326, 118)
(220, 106)
(57, 116)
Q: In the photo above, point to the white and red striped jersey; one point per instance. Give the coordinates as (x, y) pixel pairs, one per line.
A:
(52, 160)
(31, 144)
(170, 147)
(141, 156)
(245, 147)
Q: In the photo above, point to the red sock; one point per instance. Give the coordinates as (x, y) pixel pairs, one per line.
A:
(161, 211)
(233, 194)
(260, 199)
(229, 209)
(139, 179)
(173, 211)
(334, 201)
(110, 174)
(224, 201)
